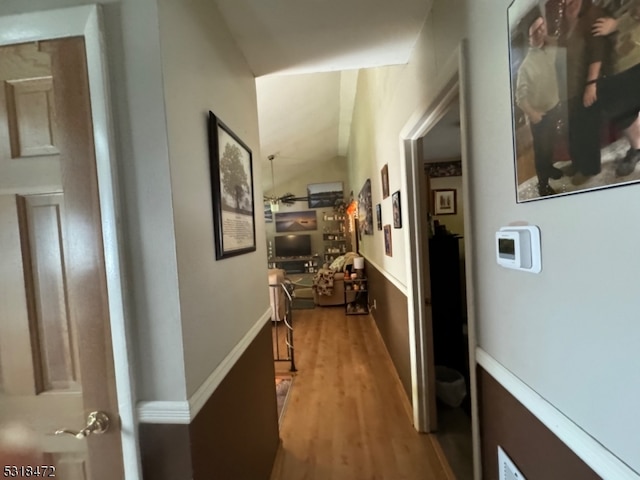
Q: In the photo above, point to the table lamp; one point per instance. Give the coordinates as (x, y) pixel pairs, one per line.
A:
(358, 266)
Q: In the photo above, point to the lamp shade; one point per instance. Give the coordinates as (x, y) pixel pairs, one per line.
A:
(358, 263)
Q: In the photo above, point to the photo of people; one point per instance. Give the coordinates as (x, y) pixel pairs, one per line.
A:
(575, 78)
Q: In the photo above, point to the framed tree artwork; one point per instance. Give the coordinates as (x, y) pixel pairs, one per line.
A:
(231, 171)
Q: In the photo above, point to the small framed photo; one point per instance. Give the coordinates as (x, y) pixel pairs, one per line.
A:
(379, 216)
(384, 175)
(397, 212)
(388, 248)
(231, 166)
(444, 202)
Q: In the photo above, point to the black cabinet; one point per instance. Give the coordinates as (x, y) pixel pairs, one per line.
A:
(447, 302)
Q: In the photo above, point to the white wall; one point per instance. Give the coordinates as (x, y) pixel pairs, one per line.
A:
(385, 100)
(572, 332)
(203, 70)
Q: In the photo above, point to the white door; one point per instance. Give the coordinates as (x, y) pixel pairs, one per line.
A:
(56, 364)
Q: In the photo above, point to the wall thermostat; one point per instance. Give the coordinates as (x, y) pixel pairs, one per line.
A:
(518, 247)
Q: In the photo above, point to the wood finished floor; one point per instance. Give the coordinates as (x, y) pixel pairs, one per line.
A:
(347, 417)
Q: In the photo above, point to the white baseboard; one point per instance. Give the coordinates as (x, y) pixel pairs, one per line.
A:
(183, 411)
(601, 460)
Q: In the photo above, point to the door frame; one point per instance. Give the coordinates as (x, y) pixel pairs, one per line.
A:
(86, 21)
(452, 82)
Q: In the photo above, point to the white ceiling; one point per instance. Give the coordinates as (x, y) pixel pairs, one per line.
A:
(306, 55)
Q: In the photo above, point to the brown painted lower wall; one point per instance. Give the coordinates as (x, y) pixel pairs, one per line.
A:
(534, 449)
(392, 318)
(235, 434)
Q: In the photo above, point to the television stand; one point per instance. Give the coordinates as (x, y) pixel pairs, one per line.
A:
(307, 264)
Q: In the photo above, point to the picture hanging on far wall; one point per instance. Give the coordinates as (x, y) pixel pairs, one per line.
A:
(379, 216)
(296, 221)
(365, 209)
(573, 123)
(231, 171)
(384, 174)
(268, 214)
(397, 212)
(388, 248)
(323, 195)
(444, 202)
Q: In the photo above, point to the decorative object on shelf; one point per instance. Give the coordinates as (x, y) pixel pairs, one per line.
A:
(444, 202)
(388, 249)
(296, 221)
(384, 174)
(365, 209)
(274, 200)
(231, 173)
(322, 195)
(397, 212)
(379, 216)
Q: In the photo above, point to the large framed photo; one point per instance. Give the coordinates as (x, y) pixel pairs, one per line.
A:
(575, 96)
(231, 191)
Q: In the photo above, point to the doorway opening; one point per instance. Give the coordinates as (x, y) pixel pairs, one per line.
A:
(443, 195)
(442, 325)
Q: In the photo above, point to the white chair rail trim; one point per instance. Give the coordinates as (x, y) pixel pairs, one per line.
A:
(601, 460)
(183, 411)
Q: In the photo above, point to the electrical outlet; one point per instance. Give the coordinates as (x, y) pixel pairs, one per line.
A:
(508, 470)
(374, 306)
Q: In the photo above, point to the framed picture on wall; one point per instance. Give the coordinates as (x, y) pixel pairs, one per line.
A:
(384, 175)
(575, 126)
(231, 171)
(444, 202)
(365, 209)
(388, 247)
(296, 221)
(397, 212)
(379, 216)
(322, 195)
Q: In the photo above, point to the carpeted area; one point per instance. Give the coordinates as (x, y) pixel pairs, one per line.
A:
(283, 388)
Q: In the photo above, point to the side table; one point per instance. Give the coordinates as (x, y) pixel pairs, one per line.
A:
(356, 296)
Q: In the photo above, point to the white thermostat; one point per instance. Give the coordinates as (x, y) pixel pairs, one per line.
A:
(519, 247)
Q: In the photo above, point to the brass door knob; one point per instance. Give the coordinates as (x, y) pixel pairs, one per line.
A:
(97, 424)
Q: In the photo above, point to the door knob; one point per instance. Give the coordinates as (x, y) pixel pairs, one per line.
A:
(97, 424)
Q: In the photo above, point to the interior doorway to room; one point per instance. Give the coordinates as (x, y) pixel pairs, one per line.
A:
(444, 265)
(440, 264)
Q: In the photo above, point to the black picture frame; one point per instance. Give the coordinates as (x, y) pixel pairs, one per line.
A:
(231, 170)
(445, 201)
(379, 216)
(397, 211)
(323, 195)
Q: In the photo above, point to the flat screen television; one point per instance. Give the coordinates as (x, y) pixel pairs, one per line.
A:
(293, 245)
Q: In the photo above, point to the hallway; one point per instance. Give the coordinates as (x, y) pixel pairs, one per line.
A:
(347, 417)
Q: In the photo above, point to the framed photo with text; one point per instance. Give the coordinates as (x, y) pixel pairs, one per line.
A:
(231, 170)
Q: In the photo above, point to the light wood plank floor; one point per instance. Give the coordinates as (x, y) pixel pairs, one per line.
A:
(347, 417)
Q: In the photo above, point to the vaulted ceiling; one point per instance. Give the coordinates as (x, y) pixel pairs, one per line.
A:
(305, 55)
